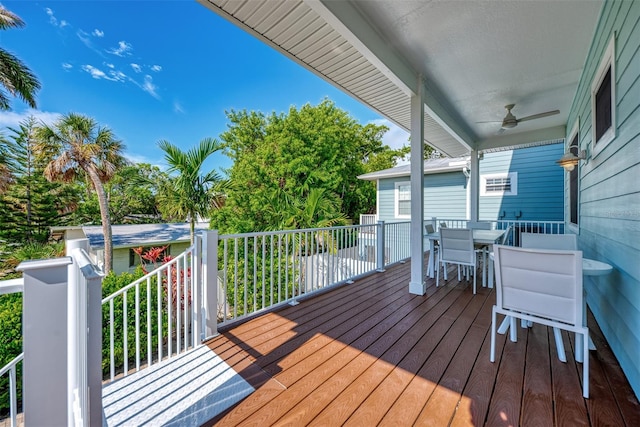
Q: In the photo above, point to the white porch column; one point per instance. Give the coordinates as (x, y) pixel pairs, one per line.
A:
(44, 341)
(474, 186)
(210, 289)
(417, 284)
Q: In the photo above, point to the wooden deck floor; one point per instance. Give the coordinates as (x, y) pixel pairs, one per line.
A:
(370, 353)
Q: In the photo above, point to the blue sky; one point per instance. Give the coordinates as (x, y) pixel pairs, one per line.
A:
(153, 70)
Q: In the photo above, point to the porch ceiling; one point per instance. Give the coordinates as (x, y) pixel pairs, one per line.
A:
(474, 56)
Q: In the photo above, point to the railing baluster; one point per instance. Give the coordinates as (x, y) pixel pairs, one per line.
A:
(111, 340)
(169, 317)
(255, 273)
(184, 303)
(137, 336)
(264, 270)
(149, 330)
(235, 278)
(125, 332)
(177, 308)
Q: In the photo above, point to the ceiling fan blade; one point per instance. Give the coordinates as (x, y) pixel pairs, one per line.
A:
(500, 131)
(539, 116)
(490, 121)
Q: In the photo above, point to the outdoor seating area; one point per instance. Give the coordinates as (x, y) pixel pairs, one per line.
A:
(370, 353)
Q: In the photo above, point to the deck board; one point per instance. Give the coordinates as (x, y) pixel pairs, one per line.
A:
(369, 353)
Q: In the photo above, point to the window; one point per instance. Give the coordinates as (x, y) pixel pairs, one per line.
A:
(499, 184)
(573, 180)
(403, 199)
(603, 100)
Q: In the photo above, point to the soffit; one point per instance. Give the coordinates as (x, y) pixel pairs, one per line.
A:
(475, 56)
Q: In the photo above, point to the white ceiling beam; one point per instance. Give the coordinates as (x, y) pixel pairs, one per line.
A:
(350, 24)
(510, 140)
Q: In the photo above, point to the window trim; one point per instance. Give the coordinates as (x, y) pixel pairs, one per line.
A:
(396, 198)
(575, 132)
(513, 181)
(607, 61)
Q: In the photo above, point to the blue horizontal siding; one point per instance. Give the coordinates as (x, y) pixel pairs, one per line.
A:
(609, 188)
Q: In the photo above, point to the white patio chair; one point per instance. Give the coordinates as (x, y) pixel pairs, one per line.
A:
(543, 286)
(503, 241)
(566, 242)
(551, 241)
(456, 247)
(482, 249)
(479, 225)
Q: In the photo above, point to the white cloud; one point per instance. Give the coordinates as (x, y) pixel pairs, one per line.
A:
(139, 158)
(66, 66)
(123, 49)
(137, 68)
(118, 76)
(97, 33)
(13, 118)
(156, 68)
(95, 72)
(53, 20)
(149, 87)
(177, 107)
(98, 74)
(109, 65)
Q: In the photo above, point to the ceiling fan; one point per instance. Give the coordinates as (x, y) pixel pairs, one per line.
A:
(510, 121)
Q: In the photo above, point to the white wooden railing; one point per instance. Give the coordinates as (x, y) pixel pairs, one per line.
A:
(10, 368)
(259, 271)
(10, 287)
(157, 311)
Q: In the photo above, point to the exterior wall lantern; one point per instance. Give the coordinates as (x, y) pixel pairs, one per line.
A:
(569, 160)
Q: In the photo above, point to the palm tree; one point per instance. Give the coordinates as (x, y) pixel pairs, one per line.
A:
(74, 147)
(15, 77)
(191, 194)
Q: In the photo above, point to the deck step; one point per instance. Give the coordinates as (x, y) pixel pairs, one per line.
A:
(189, 389)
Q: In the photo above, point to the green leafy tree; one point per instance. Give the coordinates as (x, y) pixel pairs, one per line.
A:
(76, 147)
(190, 193)
(279, 159)
(30, 205)
(131, 196)
(15, 77)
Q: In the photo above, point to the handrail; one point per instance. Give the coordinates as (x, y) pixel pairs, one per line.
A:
(11, 286)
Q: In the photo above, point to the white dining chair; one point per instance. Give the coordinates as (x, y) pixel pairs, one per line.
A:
(551, 241)
(479, 225)
(481, 249)
(542, 286)
(456, 247)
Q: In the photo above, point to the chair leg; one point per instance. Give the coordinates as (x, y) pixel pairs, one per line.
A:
(513, 332)
(475, 276)
(585, 366)
(559, 344)
(492, 355)
(438, 274)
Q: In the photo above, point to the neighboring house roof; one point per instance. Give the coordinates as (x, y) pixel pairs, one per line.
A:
(142, 234)
(430, 166)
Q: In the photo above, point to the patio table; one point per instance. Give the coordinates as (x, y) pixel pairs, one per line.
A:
(480, 237)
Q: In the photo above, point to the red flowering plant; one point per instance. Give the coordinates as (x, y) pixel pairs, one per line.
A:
(157, 256)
